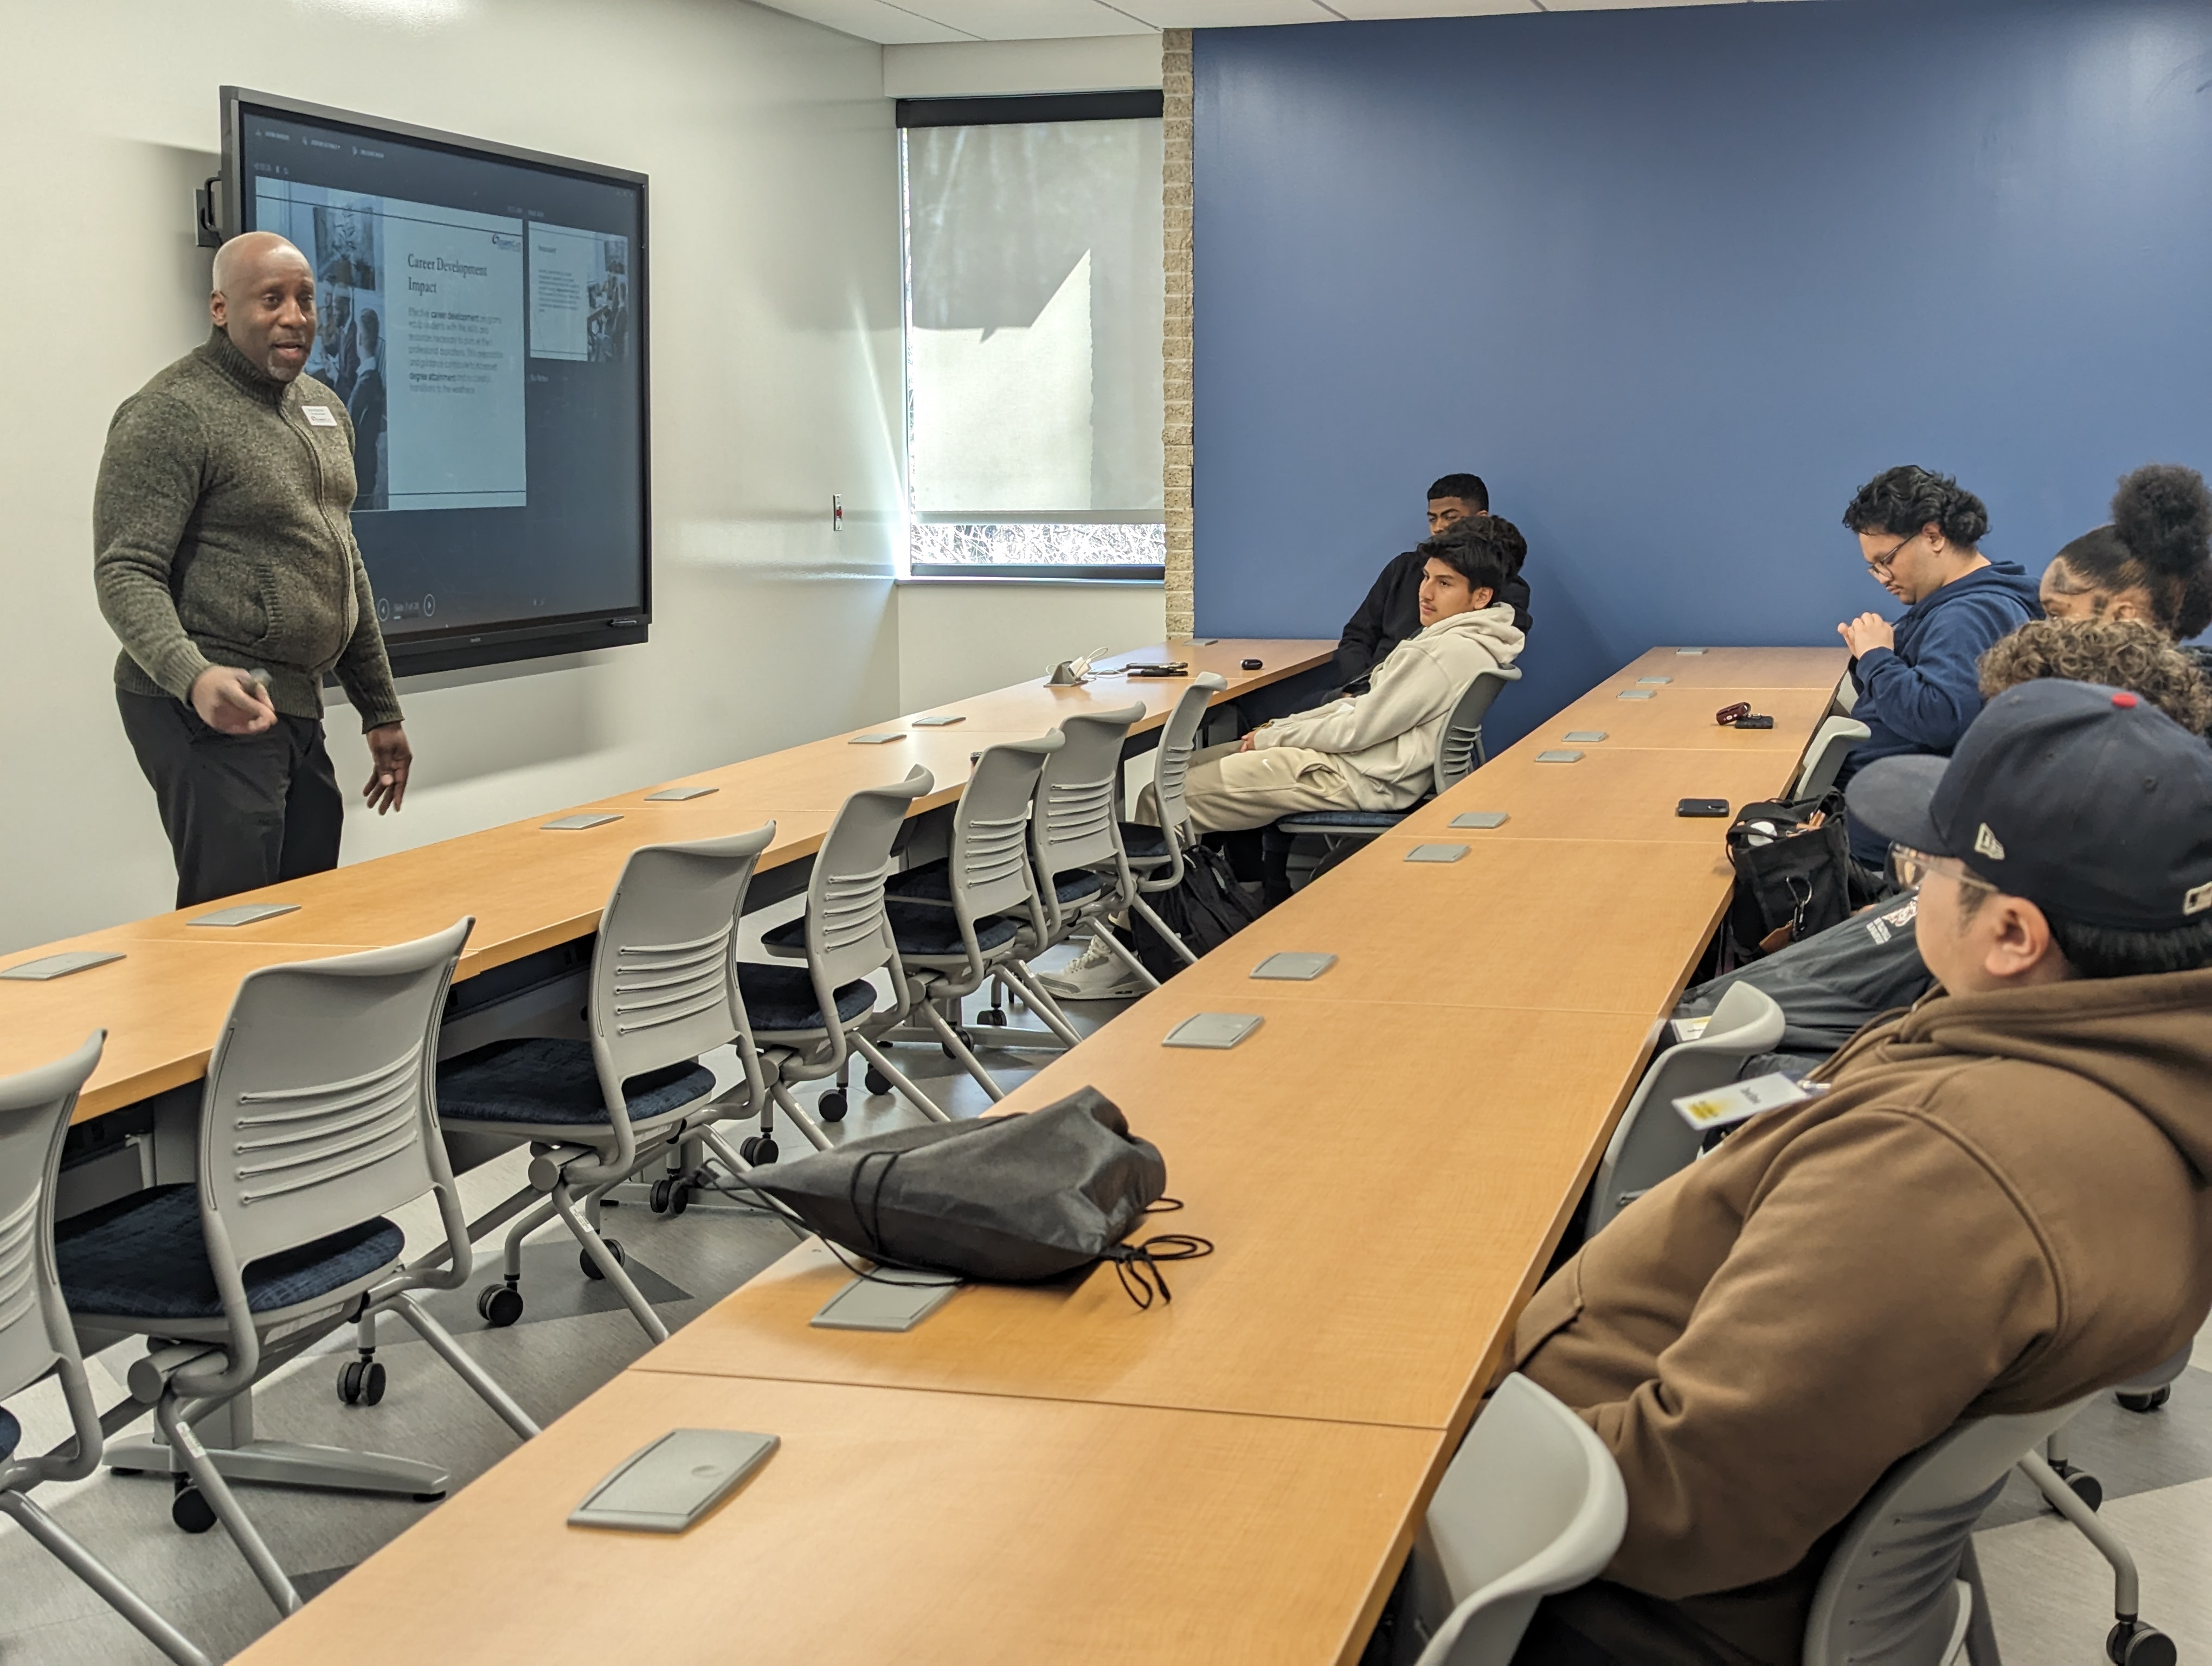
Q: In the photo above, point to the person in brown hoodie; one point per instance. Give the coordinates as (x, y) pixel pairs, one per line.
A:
(1996, 1202)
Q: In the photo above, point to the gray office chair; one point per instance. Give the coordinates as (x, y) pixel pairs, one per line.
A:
(808, 1021)
(1831, 743)
(1902, 1585)
(1156, 853)
(316, 1118)
(36, 1338)
(663, 992)
(976, 914)
(1084, 877)
(2075, 1493)
(1459, 753)
(1651, 1141)
(1532, 1504)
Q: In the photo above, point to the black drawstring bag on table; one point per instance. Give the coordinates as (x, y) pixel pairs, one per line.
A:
(1005, 1200)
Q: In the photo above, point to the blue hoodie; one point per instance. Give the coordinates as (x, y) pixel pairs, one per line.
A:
(1921, 698)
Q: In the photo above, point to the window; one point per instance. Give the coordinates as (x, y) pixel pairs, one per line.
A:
(1033, 304)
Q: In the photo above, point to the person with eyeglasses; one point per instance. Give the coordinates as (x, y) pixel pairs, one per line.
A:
(1992, 1204)
(1920, 534)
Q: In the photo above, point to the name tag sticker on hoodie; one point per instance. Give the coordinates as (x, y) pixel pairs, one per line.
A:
(1724, 1107)
(319, 415)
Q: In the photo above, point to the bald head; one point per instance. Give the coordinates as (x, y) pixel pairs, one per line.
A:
(264, 301)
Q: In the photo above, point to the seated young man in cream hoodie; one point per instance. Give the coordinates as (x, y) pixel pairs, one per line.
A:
(1375, 750)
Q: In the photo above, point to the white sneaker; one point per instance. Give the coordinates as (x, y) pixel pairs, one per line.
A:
(1096, 974)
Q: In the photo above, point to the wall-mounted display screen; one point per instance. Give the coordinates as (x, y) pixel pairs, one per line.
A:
(481, 311)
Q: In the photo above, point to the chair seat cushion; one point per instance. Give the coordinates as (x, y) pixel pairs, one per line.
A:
(12, 1434)
(789, 938)
(1077, 884)
(929, 931)
(553, 1081)
(930, 883)
(143, 1258)
(780, 998)
(1143, 845)
(1319, 820)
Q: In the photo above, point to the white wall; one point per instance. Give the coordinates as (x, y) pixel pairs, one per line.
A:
(962, 637)
(990, 68)
(775, 317)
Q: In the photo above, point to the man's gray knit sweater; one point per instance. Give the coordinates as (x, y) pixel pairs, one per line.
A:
(223, 536)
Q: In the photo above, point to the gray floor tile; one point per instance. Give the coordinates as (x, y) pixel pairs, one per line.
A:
(2050, 1594)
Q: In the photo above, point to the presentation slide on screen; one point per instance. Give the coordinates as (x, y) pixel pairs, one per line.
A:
(579, 296)
(419, 330)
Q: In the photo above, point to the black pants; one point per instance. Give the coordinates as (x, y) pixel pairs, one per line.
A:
(241, 811)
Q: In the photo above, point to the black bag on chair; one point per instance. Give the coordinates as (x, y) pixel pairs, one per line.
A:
(1206, 911)
(1009, 1200)
(1793, 873)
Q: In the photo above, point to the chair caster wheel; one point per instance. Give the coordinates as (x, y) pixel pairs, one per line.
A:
(191, 1511)
(2132, 1643)
(2145, 1402)
(2087, 1488)
(830, 1107)
(658, 1199)
(679, 1196)
(360, 1382)
(592, 1268)
(499, 1305)
(995, 1018)
(757, 1149)
(877, 1082)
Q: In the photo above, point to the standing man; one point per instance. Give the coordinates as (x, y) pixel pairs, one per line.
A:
(1917, 682)
(225, 562)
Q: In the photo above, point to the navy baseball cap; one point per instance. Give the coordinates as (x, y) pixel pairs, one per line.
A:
(2086, 800)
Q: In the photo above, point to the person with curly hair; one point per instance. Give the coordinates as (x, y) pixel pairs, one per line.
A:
(2122, 653)
(1920, 534)
(2152, 562)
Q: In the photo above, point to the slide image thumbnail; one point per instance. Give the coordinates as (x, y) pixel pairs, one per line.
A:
(579, 296)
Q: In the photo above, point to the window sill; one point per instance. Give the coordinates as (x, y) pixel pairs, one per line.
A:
(1091, 580)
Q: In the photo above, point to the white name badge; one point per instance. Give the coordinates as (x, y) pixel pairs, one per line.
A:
(319, 415)
(1724, 1107)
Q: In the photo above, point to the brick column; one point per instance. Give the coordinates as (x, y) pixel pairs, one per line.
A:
(1176, 196)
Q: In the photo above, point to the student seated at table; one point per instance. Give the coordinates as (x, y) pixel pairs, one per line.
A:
(2117, 598)
(1999, 1204)
(1375, 750)
(1921, 535)
(1836, 981)
(2152, 562)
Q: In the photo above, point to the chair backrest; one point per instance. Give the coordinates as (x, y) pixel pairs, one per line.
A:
(1890, 1591)
(1077, 821)
(1532, 1504)
(1178, 740)
(34, 1112)
(664, 973)
(321, 1108)
(989, 869)
(848, 934)
(1459, 747)
(1832, 742)
(1651, 1139)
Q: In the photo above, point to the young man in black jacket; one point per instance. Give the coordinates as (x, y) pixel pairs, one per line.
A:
(1392, 611)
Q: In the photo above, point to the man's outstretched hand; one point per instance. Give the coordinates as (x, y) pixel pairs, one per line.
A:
(230, 702)
(389, 756)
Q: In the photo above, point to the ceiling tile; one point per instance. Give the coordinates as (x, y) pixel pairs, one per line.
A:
(871, 20)
(1030, 20)
(1225, 14)
(1363, 11)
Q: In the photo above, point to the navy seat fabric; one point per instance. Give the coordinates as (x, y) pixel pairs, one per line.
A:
(1077, 884)
(781, 998)
(930, 883)
(143, 1258)
(930, 931)
(1319, 820)
(12, 1434)
(553, 1081)
(789, 938)
(1140, 843)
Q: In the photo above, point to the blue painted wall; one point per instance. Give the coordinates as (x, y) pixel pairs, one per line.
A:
(1674, 282)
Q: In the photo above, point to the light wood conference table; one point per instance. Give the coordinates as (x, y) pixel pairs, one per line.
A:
(1383, 1168)
(531, 888)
